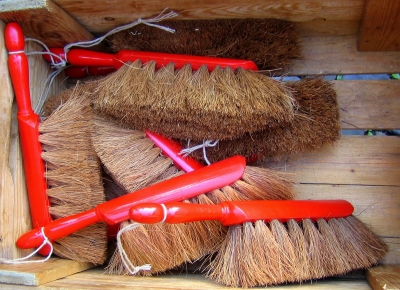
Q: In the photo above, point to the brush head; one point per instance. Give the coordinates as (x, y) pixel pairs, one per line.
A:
(270, 43)
(223, 104)
(316, 122)
(73, 175)
(273, 253)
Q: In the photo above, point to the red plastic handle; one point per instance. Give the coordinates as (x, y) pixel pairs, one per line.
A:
(78, 72)
(238, 212)
(83, 57)
(28, 123)
(115, 211)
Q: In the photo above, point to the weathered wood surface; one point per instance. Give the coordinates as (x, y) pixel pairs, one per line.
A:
(384, 277)
(380, 26)
(44, 20)
(369, 104)
(105, 15)
(95, 279)
(339, 55)
(40, 273)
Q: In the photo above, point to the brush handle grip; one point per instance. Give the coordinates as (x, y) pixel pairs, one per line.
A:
(237, 212)
(28, 123)
(172, 150)
(83, 57)
(115, 211)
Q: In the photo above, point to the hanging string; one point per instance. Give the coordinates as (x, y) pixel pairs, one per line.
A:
(204, 145)
(133, 270)
(149, 22)
(24, 260)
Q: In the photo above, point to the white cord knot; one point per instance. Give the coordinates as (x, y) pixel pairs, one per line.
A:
(23, 260)
(207, 143)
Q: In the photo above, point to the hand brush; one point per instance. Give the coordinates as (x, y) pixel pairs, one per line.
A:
(177, 102)
(275, 242)
(117, 210)
(69, 184)
(125, 155)
(270, 43)
(315, 123)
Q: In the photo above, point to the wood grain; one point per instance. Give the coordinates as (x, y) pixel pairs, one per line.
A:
(44, 20)
(369, 104)
(380, 26)
(53, 269)
(384, 277)
(95, 279)
(339, 55)
(356, 160)
(106, 15)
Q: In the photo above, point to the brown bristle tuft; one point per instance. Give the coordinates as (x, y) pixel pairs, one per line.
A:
(186, 105)
(316, 122)
(275, 253)
(270, 43)
(73, 175)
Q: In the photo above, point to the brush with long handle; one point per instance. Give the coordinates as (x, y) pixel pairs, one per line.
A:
(128, 154)
(275, 242)
(115, 211)
(178, 102)
(270, 43)
(68, 184)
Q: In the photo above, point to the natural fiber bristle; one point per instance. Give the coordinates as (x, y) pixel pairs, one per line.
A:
(316, 122)
(73, 175)
(181, 104)
(274, 253)
(123, 152)
(270, 43)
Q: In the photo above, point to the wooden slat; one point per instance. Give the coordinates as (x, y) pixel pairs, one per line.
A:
(323, 27)
(369, 104)
(339, 55)
(95, 279)
(40, 273)
(375, 206)
(356, 160)
(380, 26)
(385, 277)
(104, 16)
(44, 20)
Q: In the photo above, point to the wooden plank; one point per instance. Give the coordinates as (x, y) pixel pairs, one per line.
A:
(323, 27)
(44, 20)
(339, 55)
(95, 279)
(40, 273)
(375, 206)
(356, 160)
(369, 104)
(384, 277)
(380, 26)
(108, 14)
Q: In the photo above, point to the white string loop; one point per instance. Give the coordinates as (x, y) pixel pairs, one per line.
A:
(207, 143)
(23, 260)
(133, 270)
(149, 22)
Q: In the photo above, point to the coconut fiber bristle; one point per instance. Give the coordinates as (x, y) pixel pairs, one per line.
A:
(128, 157)
(73, 176)
(222, 104)
(260, 254)
(316, 123)
(270, 43)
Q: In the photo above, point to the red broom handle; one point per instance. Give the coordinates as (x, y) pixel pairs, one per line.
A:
(28, 123)
(78, 72)
(83, 57)
(115, 211)
(237, 212)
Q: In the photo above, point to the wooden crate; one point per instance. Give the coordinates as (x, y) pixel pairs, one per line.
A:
(337, 37)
